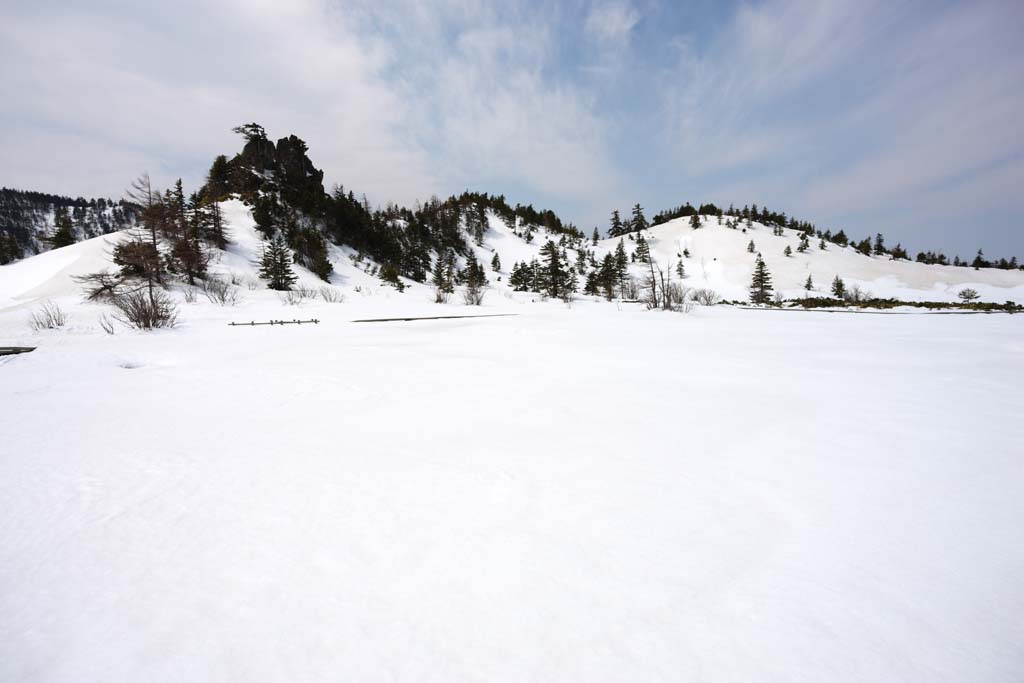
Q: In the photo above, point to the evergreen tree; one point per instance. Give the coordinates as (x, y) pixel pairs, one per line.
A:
(496, 263)
(642, 251)
(821, 244)
(621, 261)
(695, 221)
(554, 278)
(879, 247)
(63, 232)
(804, 244)
(809, 285)
(787, 251)
(616, 229)
(443, 276)
(639, 222)
(218, 184)
(680, 270)
(838, 288)
(751, 248)
(595, 237)
(979, 261)
(760, 283)
(276, 265)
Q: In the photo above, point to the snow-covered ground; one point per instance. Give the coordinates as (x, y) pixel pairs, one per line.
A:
(584, 493)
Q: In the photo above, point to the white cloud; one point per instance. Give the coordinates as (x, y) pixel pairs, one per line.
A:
(611, 21)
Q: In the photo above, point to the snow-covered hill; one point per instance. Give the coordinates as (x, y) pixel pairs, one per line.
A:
(718, 258)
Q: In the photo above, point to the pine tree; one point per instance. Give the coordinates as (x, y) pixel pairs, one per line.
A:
(276, 265)
(787, 251)
(63, 232)
(879, 247)
(442, 277)
(496, 263)
(554, 278)
(751, 248)
(804, 244)
(680, 270)
(595, 237)
(616, 229)
(821, 244)
(838, 288)
(642, 251)
(621, 261)
(760, 283)
(809, 285)
(639, 222)
(217, 180)
(979, 261)
(695, 221)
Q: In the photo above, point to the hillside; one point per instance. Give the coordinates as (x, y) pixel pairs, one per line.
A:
(27, 220)
(718, 259)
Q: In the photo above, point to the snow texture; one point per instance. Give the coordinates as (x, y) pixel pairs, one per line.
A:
(584, 493)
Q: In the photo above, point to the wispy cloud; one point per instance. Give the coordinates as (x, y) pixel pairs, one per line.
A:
(850, 113)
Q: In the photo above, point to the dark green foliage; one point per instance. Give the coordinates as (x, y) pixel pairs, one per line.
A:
(496, 263)
(750, 247)
(639, 222)
(616, 229)
(986, 307)
(276, 265)
(760, 283)
(809, 285)
(554, 278)
(787, 251)
(642, 251)
(838, 287)
(63, 230)
(979, 261)
(218, 180)
(695, 221)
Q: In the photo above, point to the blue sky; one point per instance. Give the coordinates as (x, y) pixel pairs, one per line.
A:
(899, 117)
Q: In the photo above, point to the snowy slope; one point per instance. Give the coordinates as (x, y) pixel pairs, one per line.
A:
(598, 493)
(719, 259)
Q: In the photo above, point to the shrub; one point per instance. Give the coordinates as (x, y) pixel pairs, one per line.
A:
(473, 295)
(48, 317)
(220, 292)
(706, 297)
(143, 311)
(331, 295)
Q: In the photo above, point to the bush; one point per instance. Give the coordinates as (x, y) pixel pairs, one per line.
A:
(220, 292)
(331, 295)
(48, 317)
(706, 297)
(473, 295)
(137, 309)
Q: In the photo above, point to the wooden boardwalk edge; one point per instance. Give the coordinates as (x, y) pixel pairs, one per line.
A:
(433, 317)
